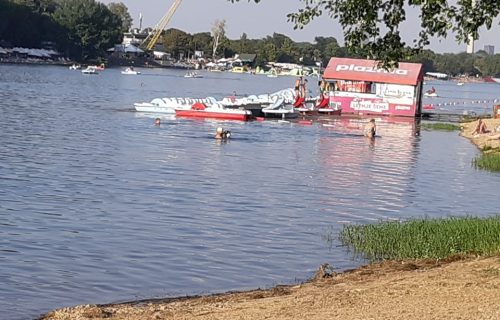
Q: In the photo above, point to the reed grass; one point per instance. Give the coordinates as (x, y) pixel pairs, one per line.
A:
(440, 126)
(424, 238)
(488, 161)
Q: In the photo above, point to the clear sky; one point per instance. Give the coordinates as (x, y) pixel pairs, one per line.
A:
(269, 16)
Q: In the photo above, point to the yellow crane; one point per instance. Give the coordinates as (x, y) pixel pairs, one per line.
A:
(150, 41)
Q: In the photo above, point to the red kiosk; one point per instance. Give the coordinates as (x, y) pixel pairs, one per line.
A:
(359, 87)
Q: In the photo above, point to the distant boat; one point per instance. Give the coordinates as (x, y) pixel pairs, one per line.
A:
(491, 80)
(273, 74)
(75, 67)
(130, 71)
(100, 67)
(193, 75)
(431, 93)
(460, 83)
(239, 70)
(89, 70)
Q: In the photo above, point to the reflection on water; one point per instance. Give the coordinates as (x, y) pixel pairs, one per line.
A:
(98, 204)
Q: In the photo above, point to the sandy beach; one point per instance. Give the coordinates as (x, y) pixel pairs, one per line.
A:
(461, 288)
(491, 139)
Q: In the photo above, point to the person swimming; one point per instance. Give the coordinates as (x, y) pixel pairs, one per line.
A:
(220, 133)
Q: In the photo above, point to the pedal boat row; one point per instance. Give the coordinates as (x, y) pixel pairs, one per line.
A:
(281, 104)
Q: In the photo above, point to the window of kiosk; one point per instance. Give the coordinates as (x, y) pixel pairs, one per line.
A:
(355, 86)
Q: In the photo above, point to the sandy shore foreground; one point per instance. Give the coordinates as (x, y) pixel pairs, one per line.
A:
(466, 288)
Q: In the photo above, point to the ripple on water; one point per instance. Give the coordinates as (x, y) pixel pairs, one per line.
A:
(99, 205)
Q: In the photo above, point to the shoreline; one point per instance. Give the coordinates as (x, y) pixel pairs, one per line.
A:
(482, 140)
(460, 287)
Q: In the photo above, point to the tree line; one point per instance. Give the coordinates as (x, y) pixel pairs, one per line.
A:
(80, 29)
(281, 48)
(85, 29)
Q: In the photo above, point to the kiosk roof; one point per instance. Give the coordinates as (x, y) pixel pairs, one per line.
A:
(367, 70)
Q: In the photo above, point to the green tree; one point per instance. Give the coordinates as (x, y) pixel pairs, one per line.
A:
(243, 43)
(489, 65)
(176, 42)
(372, 27)
(91, 27)
(202, 41)
(121, 11)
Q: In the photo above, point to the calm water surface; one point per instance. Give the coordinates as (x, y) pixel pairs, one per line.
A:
(98, 205)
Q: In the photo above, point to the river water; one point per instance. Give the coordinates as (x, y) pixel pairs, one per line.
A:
(98, 205)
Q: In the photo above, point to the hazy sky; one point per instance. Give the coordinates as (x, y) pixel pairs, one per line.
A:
(269, 16)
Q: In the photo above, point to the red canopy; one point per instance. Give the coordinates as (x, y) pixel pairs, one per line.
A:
(367, 70)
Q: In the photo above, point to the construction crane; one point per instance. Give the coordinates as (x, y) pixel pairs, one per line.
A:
(150, 41)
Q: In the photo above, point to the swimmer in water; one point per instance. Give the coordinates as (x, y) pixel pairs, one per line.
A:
(220, 133)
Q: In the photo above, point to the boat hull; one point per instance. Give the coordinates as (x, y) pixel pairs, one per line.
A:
(329, 111)
(148, 107)
(491, 80)
(241, 116)
(281, 114)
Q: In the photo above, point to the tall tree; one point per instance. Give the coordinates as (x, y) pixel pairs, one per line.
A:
(121, 10)
(91, 27)
(218, 34)
(177, 42)
(373, 27)
(202, 41)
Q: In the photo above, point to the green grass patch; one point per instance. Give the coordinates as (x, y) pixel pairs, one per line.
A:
(488, 161)
(424, 238)
(440, 126)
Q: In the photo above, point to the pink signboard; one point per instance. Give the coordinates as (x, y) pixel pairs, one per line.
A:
(372, 105)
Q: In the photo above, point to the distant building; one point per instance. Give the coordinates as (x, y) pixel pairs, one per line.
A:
(135, 37)
(470, 45)
(199, 54)
(125, 50)
(470, 42)
(489, 49)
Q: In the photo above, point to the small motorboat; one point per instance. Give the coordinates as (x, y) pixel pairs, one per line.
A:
(89, 70)
(460, 83)
(75, 67)
(193, 75)
(214, 111)
(100, 67)
(130, 71)
(431, 93)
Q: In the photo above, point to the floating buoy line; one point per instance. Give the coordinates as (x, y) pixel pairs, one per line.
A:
(459, 103)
